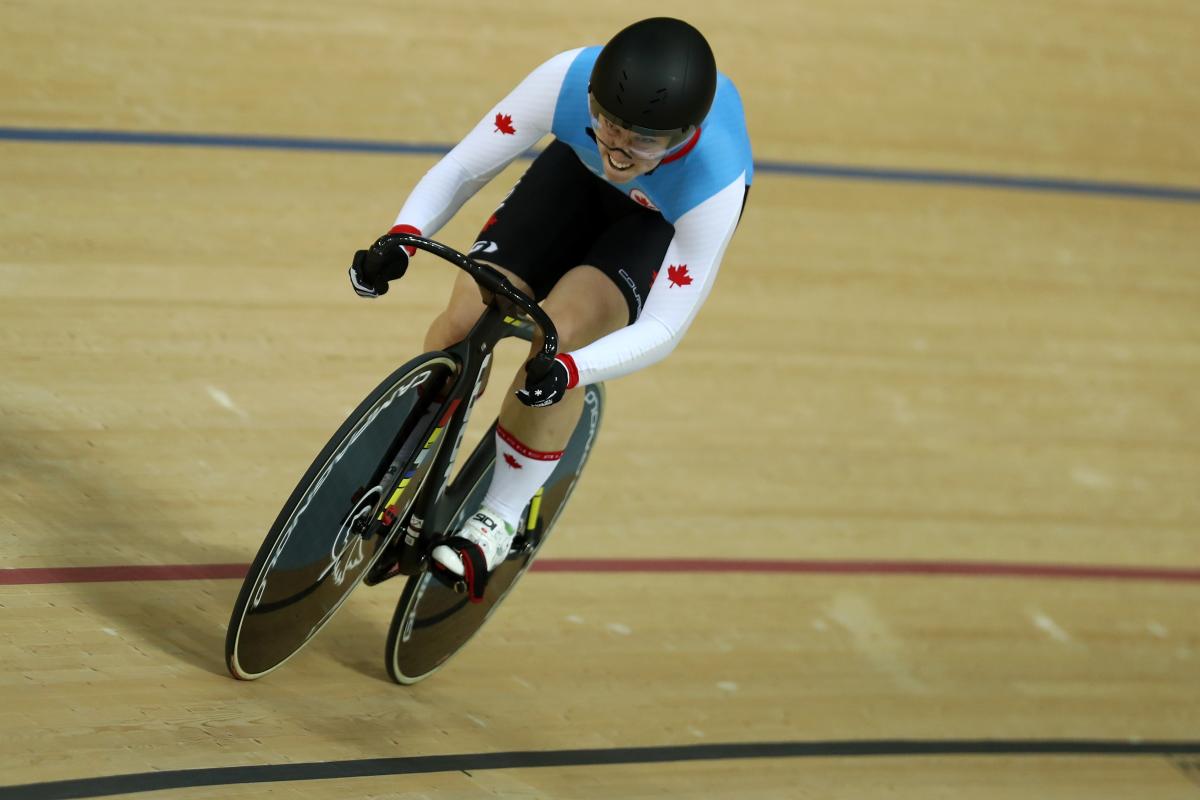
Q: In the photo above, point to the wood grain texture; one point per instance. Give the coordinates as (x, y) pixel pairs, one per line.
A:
(883, 372)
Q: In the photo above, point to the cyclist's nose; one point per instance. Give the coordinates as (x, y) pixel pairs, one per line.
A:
(620, 142)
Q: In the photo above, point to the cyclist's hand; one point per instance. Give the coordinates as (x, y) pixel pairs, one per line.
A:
(545, 384)
(386, 260)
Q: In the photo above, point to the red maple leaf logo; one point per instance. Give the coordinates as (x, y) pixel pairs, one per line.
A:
(512, 462)
(504, 124)
(678, 275)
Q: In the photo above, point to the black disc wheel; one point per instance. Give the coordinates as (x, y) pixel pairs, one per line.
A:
(331, 529)
(434, 619)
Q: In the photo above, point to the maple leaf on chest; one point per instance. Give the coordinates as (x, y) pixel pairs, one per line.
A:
(678, 275)
(504, 124)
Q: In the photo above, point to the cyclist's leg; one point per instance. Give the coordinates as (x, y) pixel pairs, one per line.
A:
(557, 218)
(463, 310)
(540, 231)
(585, 305)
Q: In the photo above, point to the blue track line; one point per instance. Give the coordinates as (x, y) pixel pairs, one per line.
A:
(1110, 189)
(884, 175)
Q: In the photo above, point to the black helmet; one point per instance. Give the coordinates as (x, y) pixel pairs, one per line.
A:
(657, 77)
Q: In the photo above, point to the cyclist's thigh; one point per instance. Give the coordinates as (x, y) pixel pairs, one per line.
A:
(463, 310)
(585, 305)
(467, 296)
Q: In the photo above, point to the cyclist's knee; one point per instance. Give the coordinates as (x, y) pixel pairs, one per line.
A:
(572, 334)
(575, 332)
(582, 317)
(463, 310)
(455, 322)
(445, 330)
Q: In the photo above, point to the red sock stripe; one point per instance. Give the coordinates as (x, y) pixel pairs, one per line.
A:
(515, 444)
(572, 370)
(412, 251)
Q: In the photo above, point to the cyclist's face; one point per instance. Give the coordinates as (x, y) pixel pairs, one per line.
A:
(626, 154)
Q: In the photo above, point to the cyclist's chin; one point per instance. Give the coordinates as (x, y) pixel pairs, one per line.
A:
(619, 176)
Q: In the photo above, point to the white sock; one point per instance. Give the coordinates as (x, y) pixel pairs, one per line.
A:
(520, 471)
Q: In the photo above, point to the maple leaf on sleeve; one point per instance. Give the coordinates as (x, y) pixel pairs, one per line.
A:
(678, 275)
(504, 124)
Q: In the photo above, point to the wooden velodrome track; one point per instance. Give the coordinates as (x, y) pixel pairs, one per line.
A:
(958, 413)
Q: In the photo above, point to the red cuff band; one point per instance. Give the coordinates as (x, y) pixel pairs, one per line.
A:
(572, 370)
(412, 251)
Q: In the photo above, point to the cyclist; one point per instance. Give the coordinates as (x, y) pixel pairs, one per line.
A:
(617, 229)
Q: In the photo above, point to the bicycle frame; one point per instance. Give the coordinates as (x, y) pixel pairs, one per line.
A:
(386, 467)
(473, 354)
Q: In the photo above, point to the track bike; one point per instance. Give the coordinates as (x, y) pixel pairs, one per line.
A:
(378, 498)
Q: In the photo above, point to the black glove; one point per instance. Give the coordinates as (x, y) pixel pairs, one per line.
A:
(545, 383)
(386, 260)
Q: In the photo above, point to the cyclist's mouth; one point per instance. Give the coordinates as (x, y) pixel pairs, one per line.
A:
(617, 165)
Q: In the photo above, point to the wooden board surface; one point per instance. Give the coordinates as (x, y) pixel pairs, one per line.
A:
(892, 372)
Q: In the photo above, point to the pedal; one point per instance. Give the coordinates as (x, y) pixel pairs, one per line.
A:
(446, 577)
(388, 565)
(523, 544)
(457, 583)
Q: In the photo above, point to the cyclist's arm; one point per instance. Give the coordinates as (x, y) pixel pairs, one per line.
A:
(514, 125)
(683, 283)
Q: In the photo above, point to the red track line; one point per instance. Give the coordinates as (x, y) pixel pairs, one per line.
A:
(874, 567)
(165, 572)
(988, 569)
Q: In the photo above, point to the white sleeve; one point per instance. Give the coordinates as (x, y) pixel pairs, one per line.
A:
(681, 287)
(514, 125)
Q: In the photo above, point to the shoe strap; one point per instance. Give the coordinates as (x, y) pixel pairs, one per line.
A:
(475, 571)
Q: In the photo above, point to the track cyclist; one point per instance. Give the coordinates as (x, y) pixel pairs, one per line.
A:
(617, 229)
